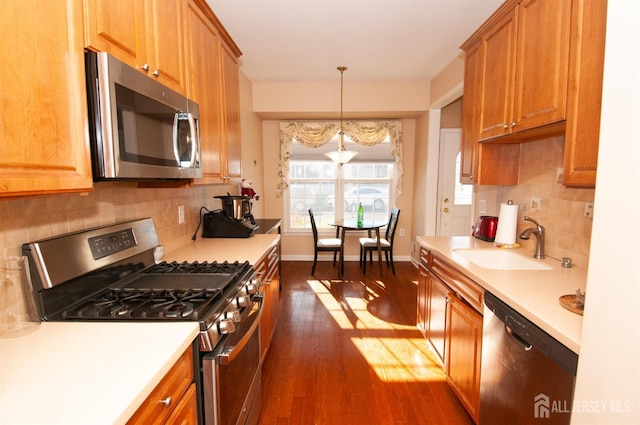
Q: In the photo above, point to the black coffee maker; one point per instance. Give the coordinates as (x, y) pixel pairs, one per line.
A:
(237, 208)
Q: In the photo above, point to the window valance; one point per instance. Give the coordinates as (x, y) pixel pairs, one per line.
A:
(318, 133)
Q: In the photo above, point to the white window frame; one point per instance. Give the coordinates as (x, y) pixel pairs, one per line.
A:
(339, 182)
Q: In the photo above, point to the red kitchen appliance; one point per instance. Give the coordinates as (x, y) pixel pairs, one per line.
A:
(485, 228)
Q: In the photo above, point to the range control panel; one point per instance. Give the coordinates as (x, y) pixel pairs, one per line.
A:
(111, 243)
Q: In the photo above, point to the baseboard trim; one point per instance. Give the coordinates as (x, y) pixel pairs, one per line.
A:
(329, 257)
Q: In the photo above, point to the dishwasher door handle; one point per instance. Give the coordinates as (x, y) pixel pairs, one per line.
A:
(517, 338)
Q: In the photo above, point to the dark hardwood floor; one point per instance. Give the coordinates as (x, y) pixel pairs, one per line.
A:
(348, 352)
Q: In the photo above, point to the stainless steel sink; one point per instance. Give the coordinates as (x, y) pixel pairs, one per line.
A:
(500, 259)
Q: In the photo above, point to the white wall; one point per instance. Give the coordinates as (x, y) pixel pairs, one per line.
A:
(609, 365)
(377, 99)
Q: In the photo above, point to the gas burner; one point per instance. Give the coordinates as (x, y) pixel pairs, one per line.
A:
(196, 267)
(125, 303)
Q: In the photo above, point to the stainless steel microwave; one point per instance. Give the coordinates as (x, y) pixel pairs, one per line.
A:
(139, 128)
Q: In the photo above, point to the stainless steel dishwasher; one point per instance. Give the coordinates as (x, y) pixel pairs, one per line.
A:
(527, 376)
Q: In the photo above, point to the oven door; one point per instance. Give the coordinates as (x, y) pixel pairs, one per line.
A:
(232, 375)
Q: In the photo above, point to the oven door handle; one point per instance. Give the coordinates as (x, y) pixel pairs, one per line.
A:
(230, 353)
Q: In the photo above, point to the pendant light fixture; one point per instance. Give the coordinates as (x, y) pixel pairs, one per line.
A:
(341, 156)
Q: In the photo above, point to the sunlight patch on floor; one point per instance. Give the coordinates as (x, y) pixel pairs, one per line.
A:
(392, 362)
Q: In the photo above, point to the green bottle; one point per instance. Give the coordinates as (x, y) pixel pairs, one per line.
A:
(360, 215)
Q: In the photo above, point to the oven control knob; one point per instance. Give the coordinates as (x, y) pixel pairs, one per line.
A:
(257, 281)
(233, 315)
(244, 301)
(252, 288)
(226, 326)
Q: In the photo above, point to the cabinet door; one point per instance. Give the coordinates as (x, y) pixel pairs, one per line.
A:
(268, 269)
(463, 354)
(43, 136)
(497, 64)
(114, 26)
(203, 55)
(585, 92)
(165, 42)
(437, 315)
(422, 301)
(542, 63)
(186, 411)
(470, 109)
(231, 118)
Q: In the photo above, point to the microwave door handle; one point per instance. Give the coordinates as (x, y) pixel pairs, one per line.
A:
(194, 139)
(176, 142)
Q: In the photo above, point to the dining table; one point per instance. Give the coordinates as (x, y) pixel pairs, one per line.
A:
(345, 225)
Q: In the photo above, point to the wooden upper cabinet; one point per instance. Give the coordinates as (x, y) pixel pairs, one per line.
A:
(582, 135)
(497, 60)
(215, 86)
(538, 73)
(44, 145)
(165, 42)
(470, 110)
(203, 61)
(542, 63)
(146, 34)
(114, 27)
(231, 93)
(525, 58)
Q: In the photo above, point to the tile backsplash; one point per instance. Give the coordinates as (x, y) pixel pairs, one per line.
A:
(561, 210)
(29, 219)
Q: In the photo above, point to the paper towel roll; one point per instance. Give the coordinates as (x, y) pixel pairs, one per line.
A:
(507, 224)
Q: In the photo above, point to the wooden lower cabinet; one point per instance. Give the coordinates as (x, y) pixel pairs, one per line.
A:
(449, 317)
(186, 412)
(463, 353)
(268, 268)
(174, 400)
(437, 315)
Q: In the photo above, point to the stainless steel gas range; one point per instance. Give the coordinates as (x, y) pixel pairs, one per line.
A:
(109, 273)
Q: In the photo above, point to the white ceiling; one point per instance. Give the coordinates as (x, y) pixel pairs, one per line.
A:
(305, 40)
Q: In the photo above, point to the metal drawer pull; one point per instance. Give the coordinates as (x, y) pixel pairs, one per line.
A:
(166, 402)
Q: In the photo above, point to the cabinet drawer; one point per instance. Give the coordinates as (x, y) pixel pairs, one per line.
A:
(425, 258)
(469, 290)
(171, 389)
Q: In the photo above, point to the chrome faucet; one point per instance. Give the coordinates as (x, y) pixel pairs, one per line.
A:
(538, 231)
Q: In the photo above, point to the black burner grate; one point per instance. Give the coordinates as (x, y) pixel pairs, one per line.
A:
(197, 267)
(128, 304)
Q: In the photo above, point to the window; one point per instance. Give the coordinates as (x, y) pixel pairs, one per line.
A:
(334, 192)
(463, 194)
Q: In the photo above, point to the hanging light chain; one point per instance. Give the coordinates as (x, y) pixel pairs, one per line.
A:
(341, 69)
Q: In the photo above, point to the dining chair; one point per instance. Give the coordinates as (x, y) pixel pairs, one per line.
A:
(370, 244)
(323, 245)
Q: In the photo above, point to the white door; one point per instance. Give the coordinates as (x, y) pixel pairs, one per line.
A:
(455, 199)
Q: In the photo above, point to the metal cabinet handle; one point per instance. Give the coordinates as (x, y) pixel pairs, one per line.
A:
(166, 402)
(513, 123)
(156, 73)
(145, 67)
(506, 126)
(517, 338)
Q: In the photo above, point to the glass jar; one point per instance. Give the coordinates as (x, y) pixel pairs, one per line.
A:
(18, 313)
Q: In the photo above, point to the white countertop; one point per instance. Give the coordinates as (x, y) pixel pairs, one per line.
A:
(86, 373)
(533, 293)
(225, 249)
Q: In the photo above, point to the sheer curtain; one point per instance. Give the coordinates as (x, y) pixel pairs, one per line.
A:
(318, 133)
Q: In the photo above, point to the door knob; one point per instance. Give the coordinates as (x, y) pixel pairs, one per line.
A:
(446, 200)
(446, 210)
